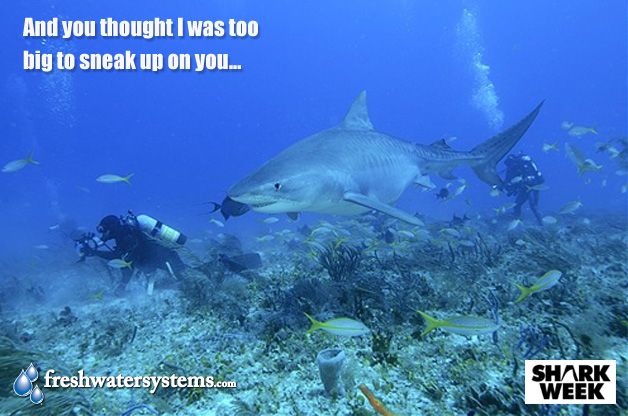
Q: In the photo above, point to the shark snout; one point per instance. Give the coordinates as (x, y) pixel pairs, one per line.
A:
(252, 196)
(267, 198)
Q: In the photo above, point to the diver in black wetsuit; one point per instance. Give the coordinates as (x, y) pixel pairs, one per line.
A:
(131, 244)
(522, 176)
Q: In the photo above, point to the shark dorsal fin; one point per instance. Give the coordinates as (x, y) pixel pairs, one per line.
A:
(441, 144)
(357, 117)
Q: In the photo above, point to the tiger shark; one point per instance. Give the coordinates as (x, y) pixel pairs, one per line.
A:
(352, 168)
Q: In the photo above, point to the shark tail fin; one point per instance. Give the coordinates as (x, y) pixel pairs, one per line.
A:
(494, 149)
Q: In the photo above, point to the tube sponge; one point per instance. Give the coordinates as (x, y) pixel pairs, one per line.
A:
(330, 362)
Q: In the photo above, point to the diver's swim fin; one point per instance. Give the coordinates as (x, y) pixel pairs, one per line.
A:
(367, 202)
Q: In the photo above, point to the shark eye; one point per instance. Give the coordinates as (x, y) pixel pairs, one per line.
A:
(277, 186)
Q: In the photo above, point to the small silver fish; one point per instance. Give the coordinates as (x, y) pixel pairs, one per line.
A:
(217, 223)
(502, 210)
(422, 234)
(570, 207)
(265, 238)
(110, 178)
(345, 327)
(19, 164)
(406, 234)
(322, 230)
(613, 152)
(566, 125)
(548, 220)
(547, 281)
(540, 187)
(577, 131)
(119, 264)
(589, 164)
(514, 224)
(451, 232)
(270, 220)
(460, 190)
(494, 192)
(461, 325)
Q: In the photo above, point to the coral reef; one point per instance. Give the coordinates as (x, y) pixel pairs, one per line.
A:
(249, 326)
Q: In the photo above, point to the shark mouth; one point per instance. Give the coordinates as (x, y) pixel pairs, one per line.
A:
(262, 204)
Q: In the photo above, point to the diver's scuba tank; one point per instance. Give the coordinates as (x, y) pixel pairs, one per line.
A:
(159, 230)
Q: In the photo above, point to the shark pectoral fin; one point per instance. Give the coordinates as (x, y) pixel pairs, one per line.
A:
(424, 181)
(367, 202)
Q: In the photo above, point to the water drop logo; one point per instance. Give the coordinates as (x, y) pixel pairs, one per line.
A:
(37, 396)
(32, 373)
(23, 385)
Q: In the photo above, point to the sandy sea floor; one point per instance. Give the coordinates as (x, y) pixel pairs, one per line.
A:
(249, 327)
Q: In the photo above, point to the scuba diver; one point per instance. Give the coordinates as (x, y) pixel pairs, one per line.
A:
(523, 179)
(139, 243)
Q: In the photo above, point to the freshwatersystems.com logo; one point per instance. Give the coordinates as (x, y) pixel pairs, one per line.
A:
(28, 382)
(570, 382)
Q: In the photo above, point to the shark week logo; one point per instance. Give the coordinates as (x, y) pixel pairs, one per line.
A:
(570, 382)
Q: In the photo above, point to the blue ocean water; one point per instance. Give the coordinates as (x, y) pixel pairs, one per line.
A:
(432, 70)
(188, 137)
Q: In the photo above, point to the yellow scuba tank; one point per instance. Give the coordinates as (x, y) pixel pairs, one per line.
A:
(159, 230)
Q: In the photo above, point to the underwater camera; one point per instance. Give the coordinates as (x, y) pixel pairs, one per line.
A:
(87, 243)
